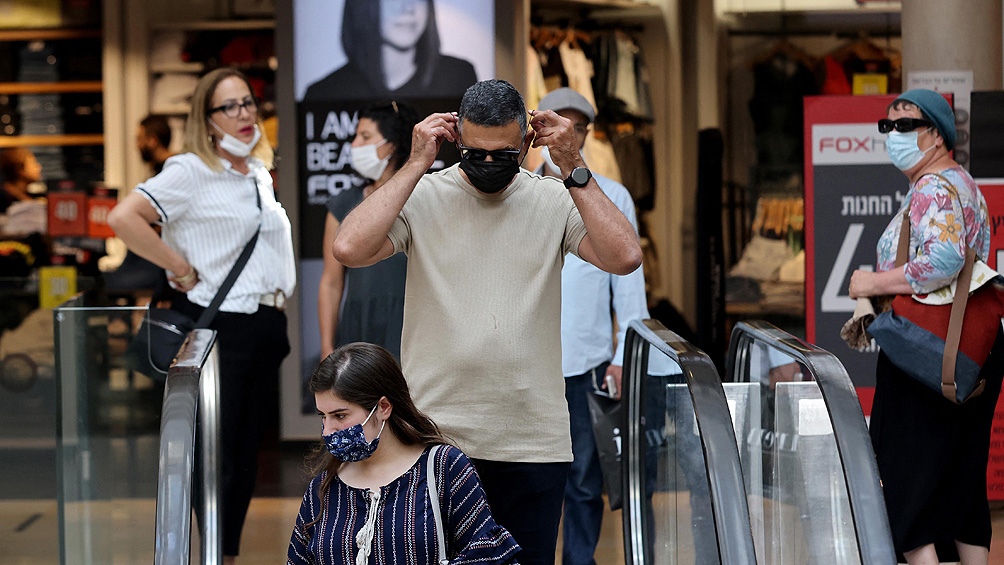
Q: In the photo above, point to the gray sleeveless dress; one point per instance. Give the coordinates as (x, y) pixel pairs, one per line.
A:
(372, 308)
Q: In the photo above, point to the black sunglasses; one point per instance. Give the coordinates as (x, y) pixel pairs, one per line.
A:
(472, 154)
(902, 125)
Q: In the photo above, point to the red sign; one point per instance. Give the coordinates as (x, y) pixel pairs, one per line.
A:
(851, 193)
(67, 214)
(98, 208)
(993, 192)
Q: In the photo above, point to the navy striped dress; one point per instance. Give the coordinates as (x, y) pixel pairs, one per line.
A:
(404, 527)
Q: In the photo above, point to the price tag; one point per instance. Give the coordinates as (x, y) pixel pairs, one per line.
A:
(56, 285)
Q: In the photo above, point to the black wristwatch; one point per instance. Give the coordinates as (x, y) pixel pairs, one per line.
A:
(578, 178)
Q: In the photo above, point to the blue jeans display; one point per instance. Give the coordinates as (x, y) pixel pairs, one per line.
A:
(583, 514)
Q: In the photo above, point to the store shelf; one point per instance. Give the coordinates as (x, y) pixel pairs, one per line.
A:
(51, 140)
(215, 25)
(194, 67)
(589, 4)
(623, 11)
(48, 34)
(50, 87)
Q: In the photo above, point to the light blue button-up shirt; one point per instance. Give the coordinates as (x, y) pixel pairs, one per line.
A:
(587, 296)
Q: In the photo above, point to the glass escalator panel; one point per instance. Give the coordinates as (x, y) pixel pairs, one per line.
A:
(108, 422)
(683, 528)
(684, 497)
(811, 478)
(812, 513)
(799, 506)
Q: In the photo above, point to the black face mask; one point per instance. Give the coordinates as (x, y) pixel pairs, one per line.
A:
(489, 176)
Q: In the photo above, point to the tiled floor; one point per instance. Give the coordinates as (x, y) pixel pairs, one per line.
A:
(119, 530)
(26, 537)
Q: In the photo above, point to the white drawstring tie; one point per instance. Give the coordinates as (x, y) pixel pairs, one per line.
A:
(364, 538)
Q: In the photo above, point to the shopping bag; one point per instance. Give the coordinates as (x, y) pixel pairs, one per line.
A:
(607, 417)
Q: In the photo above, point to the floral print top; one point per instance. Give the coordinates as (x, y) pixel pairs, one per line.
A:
(937, 251)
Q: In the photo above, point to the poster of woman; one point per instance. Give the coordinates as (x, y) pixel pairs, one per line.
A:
(407, 48)
(348, 55)
(403, 60)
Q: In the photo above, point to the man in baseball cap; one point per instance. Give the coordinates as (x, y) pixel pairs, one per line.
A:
(589, 363)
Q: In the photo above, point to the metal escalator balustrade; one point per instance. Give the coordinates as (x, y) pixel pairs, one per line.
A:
(811, 475)
(115, 483)
(191, 399)
(683, 485)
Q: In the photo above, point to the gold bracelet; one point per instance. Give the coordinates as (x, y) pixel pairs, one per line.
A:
(189, 278)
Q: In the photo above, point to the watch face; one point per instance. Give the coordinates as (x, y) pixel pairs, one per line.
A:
(580, 176)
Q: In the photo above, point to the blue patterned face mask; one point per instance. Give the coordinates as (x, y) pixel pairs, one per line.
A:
(350, 444)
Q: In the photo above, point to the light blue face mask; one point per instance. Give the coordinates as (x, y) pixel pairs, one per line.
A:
(904, 149)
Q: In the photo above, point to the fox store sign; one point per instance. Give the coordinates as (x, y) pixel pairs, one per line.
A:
(852, 191)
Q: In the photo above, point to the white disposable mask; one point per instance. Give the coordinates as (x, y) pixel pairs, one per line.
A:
(366, 162)
(555, 169)
(234, 146)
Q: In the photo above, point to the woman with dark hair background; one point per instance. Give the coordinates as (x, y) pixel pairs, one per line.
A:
(18, 169)
(370, 500)
(402, 61)
(366, 303)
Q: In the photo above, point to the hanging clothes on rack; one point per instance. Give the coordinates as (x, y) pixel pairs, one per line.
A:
(632, 146)
(782, 77)
(861, 58)
(621, 82)
(578, 68)
(536, 87)
(607, 68)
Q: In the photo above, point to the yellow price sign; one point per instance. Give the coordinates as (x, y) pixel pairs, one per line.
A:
(56, 285)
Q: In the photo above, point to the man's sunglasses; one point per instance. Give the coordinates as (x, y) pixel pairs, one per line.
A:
(902, 125)
(472, 154)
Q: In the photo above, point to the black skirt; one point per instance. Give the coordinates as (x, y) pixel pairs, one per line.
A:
(932, 458)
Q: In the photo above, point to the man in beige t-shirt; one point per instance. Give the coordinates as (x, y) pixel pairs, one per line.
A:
(486, 241)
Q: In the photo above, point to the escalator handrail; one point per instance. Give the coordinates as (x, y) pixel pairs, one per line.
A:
(718, 442)
(847, 420)
(191, 392)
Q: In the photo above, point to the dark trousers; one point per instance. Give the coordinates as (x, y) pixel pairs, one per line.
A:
(251, 347)
(525, 498)
(932, 457)
(583, 514)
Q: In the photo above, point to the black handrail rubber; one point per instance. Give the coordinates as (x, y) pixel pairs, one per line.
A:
(729, 505)
(854, 447)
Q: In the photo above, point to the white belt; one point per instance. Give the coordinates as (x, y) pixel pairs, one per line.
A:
(275, 299)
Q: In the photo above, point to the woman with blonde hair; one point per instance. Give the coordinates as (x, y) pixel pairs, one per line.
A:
(214, 200)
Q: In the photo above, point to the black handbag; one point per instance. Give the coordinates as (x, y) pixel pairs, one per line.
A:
(156, 344)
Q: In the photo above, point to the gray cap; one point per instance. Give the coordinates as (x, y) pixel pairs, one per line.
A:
(565, 98)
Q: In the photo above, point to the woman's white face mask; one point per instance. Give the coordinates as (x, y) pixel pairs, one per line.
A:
(367, 162)
(234, 146)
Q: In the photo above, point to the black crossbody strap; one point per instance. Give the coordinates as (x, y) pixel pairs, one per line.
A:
(210, 312)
